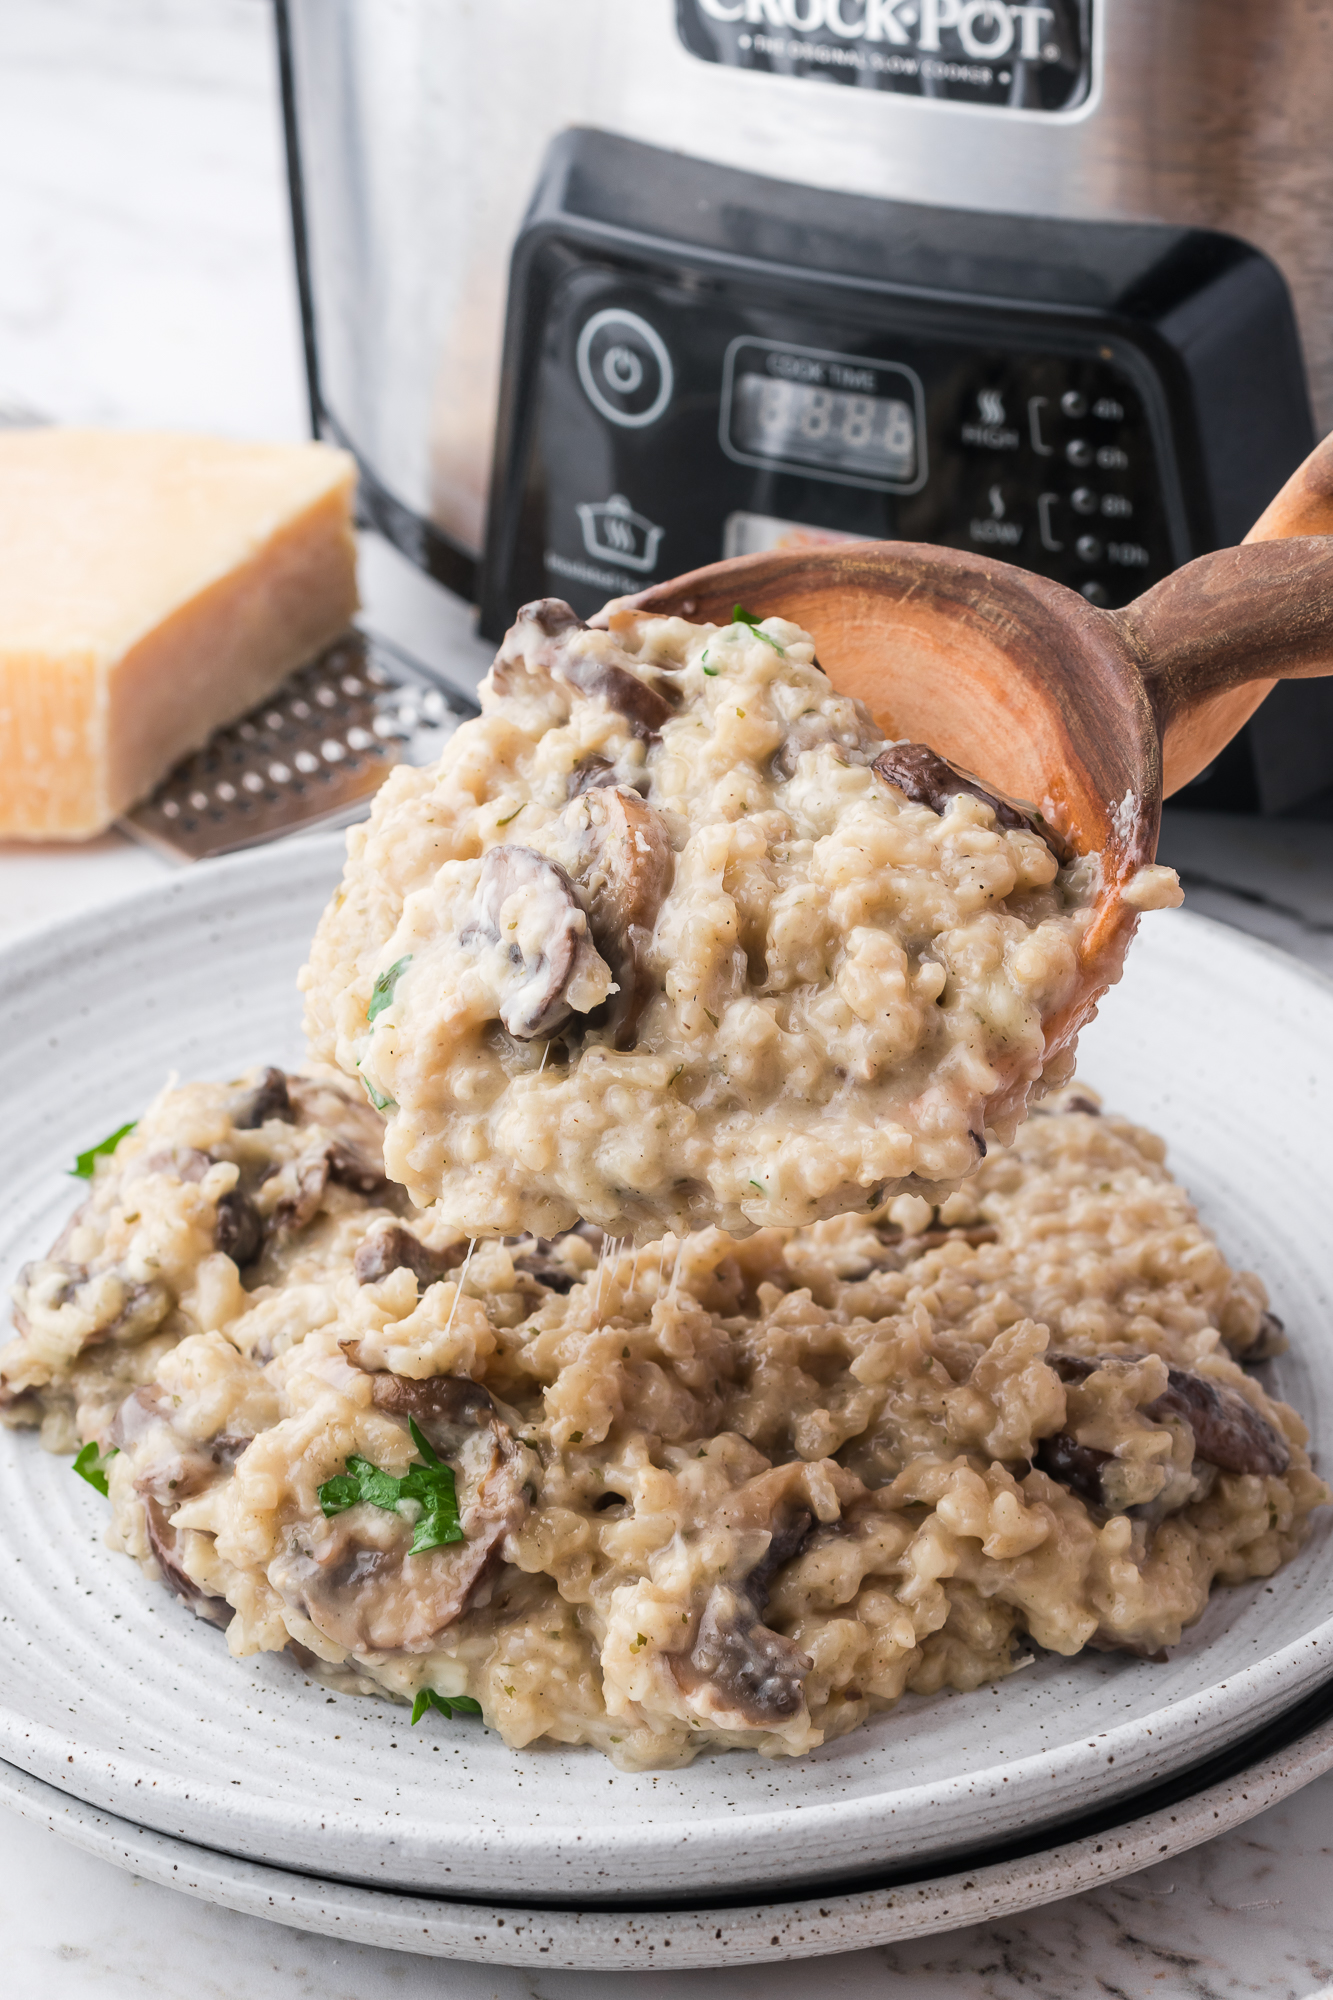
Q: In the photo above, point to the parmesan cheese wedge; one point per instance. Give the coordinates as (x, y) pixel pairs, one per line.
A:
(152, 587)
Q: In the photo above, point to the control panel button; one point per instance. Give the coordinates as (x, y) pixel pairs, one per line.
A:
(1096, 593)
(1088, 548)
(624, 368)
(1079, 452)
(1073, 404)
(1083, 500)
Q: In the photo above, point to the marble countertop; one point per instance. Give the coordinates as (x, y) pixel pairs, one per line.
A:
(145, 278)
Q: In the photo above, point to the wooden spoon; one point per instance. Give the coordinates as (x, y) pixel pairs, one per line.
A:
(1090, 715)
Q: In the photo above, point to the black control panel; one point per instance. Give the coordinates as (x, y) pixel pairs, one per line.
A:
(700, 362)
(669, 435)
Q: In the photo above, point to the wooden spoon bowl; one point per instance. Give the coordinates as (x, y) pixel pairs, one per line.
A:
(1092, 716)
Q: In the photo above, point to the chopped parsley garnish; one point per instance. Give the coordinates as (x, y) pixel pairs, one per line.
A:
(376, 1096)
(381, 993)
(508, 816)
(712, 672)
(91, 1464)
(759, 1184)
(85, 1163)
(740, 616)
(429, 1483)
(448, 1704)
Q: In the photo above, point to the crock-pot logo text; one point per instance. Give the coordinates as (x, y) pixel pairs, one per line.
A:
(1031, 55)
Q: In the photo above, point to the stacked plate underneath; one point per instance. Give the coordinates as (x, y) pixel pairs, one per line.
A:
(125, 1723)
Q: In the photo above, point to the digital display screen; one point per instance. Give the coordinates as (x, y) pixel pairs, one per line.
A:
(812, 423)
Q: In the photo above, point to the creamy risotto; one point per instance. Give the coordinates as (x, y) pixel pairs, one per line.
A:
(710, 1492)
(672, 936)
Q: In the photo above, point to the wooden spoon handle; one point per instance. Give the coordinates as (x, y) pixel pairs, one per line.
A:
(1305, 504)
(1213, 638)
(1224, 625)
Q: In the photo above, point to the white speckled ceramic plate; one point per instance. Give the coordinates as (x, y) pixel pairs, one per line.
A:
(114, 1693)
(681, 1940)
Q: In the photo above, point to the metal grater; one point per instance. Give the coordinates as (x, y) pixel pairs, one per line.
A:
(312, 755)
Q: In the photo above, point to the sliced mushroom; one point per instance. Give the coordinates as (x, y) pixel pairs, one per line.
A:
(1270, 1340)
(644, 708)
(389, 1247)
(552, 617)
(126, 1310)
(51, 1282)
(1229, 1432)
(239, 1229)
(756, 1672)
(304, 1182)
(791, 1530)
(447, 1409)
(1077, 1466)
(812, 730)
(355, 1576)
(162, 1542)
(923, 776)
(327, 1102)
(562, 650)
(621, 856)
(176, 1467)
(352, 1168)
(588, 774)
(376, 1597)
(136, 1416)
(269, 1099)
(545, 941)
(535, 1257)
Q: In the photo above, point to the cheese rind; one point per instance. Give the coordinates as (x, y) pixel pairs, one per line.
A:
(152, 587)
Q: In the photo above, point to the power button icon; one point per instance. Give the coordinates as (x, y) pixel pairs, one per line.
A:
(624, 368)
